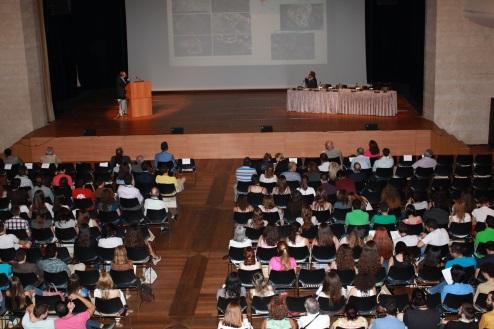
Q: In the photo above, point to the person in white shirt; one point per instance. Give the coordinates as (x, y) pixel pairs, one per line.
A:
(362, 159)
(22, 175)
(304, 188)
(427, 161)
(110, 240)
(239, 239)
(154, 202)
(386, 161)
(128, 191)
(436, 237)
(8, 241)
(313, 319)
(482, 211)
(332, 152)
(324, 166)
(402, 235)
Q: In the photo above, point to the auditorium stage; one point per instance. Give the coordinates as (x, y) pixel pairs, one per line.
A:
(225, 125)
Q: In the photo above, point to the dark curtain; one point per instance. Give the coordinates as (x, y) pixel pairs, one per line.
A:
(87, 40)
(395, 31)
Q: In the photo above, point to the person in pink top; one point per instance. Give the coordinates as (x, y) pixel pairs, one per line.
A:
(282, 262)
(373, 150)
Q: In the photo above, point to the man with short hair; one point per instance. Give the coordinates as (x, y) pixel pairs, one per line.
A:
(292, 175)
(327, 187)
(386, 161)
(332, 152)
(487, 234)
(466, 320)
(386, 318)
(411, 240)
(383, 217)
(357, 216)
(68, 320)
(457, 251)
(437, 210)
(129, 191)
(483, 210)
(313, 319)
(487, 320)
(36, 317)
(245, 171)
(489, 257)
(427, 161)
(458, 287)
(436, 236)
(362, 159)
(22, 266)
(52, 264)
(164, 157)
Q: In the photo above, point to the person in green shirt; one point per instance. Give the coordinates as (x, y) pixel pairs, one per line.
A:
(383, 217)
(487, 234)
(357, 216)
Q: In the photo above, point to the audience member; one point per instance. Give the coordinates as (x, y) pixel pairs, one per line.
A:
(361, 158)
(386, 317)
(278, 315)
(313, 319)
(427, 161)
(385, 162)
(419, 315)
(351, 319)
(233, 318)
(165, 157)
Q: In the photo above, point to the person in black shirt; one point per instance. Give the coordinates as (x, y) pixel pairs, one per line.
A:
(311, 81)
(466, 320)
(419, 315)
(120, 93)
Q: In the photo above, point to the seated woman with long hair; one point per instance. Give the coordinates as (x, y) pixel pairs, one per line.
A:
(268, 204)
(135, 238)
(282, 187)
(354, 241)
(369, 262)
(282, 262)
(120, 261)
(257, 221)
(320, 202)
(363, 285)
(15, 297)
(344, 259)
(325, 237)
(351, 319)
(333, 290)
(402, 257)
(242, 205)
(250, 263)
(232, 288)
(278, 316)
(269, 238)
(255, 186)
(233, 318)
(459, 213)
(306, 220)
(40, 206)
(261, 286)
(384, 244)
(105, 289)
(295, 239)
(343, 200)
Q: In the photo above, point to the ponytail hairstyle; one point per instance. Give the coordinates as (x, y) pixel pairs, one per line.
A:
(282, 248)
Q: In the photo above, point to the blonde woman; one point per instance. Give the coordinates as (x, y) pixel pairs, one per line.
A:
(282, 262)
(120, 261)
(333, 169)
(233, 318)
(459, 213)
(105, 289)
(262, 288)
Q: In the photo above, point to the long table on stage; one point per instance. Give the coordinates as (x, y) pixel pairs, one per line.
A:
(343, 101)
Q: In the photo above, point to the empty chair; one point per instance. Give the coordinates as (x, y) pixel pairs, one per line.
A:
(322, 216)
(28, 279)
(364, 305)
(311, 278)
(464, 159)
(58, 279)
(243, 187)
(242, 217)
(442, 171)
(236, 255)
(51, 301)
(482, 170)
(445, 160)
(323, 255)
(260, 305)
(296, 304)
(42, 235)
(264, 255)
(483, 159)
(460, 183)
(440, 184)
(453, 302)
(301, 254)
(108, 217)
(340, 214)
(424, 172)
(463, 170)
(66, 235)
(138, 255)
(460, 230)
(246, 277)
(156, 216)
(282, 279)
(88, 278)
(403, 172)
(383, 173)
(482, 183)
(124, 279)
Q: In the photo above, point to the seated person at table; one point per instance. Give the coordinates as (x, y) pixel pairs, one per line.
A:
(310, 80)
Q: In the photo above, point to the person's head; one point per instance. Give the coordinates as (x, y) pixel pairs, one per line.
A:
(329, 145)
(260, 283)
(294, 232)
(357, 167)
(331, 285)
(364, 281)
(111, 231)
(489, 221)
(247, 162)
(155, 192)
(388, 307)
(432, 257)
(105, 282)
(233, 315)
(271, 235)
(40, 311)
(386, 152)
(49, 151)
(373, 147)
(282, 249)
(383, 207)
(164, 146)
(239, 233)
(360, 151)
(419, 298)
(402, 228)
(490, 301)
(306, 217)
(351, 312)
(74, 284)
(489, 247)
(233, 285)
(20, 255)
(344, 258)
(428, 153)
(410, 211)
(255, 179)
(354, 239)
(459, 209)
(119, 151)
(127, 179)
(467, 311)
(431, 225)
(122, 74)
(242, 203)
(277, 308)
(458, 274)
(456, 249)
(311, 305)
(7, 152)
(269, 171)
(268, 202)
(51, 250)
(249, 256)
(120, 256)
(325, 236)
(292, 166)
(356, 204)
(312, 74)
(383, 242)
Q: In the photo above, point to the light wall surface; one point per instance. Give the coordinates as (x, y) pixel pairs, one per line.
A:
(148, 35)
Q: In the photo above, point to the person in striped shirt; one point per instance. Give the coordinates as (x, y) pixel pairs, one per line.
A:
(244, 174)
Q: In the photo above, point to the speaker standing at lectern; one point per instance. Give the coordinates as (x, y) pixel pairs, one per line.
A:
(121, 83)
(311, 81)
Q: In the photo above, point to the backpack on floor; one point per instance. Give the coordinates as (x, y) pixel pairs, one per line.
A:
(147, 295)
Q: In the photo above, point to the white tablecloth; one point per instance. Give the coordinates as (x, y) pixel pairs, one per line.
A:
(343, 101)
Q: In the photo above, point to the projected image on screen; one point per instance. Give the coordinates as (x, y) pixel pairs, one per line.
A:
(246, 32)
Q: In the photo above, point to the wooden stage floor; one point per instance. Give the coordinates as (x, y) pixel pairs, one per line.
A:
(225, 125)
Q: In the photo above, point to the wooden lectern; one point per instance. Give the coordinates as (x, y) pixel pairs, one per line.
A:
(140, 101)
